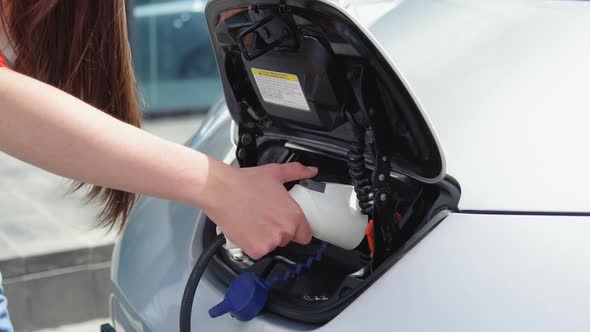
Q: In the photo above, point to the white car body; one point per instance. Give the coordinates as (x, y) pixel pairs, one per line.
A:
(505, 86)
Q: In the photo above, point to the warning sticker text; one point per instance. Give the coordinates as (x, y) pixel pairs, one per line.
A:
(280, 88)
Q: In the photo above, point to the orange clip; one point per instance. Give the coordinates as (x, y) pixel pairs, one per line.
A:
(370, 233)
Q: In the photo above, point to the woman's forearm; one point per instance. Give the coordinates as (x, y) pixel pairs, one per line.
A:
(59, 133)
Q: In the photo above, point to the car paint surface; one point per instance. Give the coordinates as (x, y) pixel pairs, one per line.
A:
(509, 112)
(505, 85)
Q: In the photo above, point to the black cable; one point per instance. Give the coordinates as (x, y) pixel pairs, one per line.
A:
(357, 169)
(186, 306)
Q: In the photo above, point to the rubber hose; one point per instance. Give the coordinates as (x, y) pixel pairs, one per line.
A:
(186, 306)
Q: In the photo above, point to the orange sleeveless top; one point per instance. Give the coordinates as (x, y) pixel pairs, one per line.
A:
(2, 61)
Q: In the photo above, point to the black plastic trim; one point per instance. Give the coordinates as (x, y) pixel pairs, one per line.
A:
(424, 163)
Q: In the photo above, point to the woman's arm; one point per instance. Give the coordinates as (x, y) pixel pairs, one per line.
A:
(59, 133)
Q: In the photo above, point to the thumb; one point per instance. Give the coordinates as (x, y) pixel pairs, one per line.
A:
(303, 234)
(295, 171)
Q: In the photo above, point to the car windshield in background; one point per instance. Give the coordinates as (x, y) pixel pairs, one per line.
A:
(174, 60)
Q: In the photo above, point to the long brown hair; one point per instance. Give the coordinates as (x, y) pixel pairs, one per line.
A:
(80, 47)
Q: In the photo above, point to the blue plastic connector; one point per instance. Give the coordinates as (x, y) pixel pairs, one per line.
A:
(247, 294)
(245, 298)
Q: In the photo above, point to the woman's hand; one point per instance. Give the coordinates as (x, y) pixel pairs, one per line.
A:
(253, 208)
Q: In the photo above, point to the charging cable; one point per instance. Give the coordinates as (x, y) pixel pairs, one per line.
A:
(186, 306)
(246, 296)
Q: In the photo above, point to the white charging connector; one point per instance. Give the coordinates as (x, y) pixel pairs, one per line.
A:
(332, 211)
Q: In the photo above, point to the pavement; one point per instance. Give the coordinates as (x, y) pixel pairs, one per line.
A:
(54, 260)
(89, 326)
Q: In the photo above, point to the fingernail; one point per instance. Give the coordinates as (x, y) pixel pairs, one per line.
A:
(311, 168)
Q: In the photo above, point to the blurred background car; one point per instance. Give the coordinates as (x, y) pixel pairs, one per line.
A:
(174, 60)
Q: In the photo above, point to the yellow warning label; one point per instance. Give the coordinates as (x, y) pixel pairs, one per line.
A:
(275, 74)
(280, 88)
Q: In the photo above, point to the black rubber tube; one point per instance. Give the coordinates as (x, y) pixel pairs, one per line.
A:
(186, 306)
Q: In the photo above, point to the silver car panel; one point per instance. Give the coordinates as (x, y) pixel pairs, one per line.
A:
(484, 273)
(505, 84)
